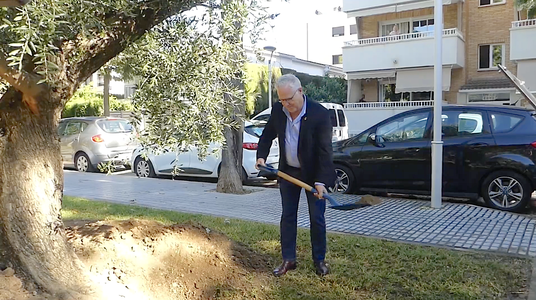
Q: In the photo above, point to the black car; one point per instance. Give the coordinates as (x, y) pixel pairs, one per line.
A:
(488, 151)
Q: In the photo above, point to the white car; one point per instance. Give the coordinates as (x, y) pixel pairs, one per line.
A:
(190, 165)
(337, 115)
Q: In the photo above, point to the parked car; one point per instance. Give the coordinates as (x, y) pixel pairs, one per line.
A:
(338, 120)
(190, 164)
(488, 151)
(88, 141)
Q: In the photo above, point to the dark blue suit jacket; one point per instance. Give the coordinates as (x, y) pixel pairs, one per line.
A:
(315, 151)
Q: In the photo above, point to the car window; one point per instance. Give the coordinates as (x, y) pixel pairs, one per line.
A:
(72, 128)
(115, 126)
(262, 118)
(333, 117)
(461, 123)
(502, 122)
(363, 138)
(61, 127)
(410, 127)
(254, 130)
(342, 118)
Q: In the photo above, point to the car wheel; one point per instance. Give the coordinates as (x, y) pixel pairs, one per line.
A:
(506, 190)
(82, 163)
(143, 168)
(345, 180)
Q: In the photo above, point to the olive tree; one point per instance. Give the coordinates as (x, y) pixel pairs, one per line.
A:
(48, 48)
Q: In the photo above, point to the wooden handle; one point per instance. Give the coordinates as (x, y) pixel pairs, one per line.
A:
(295, 181)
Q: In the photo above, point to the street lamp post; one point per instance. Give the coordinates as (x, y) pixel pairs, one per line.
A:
(271, 49)
(437, 143)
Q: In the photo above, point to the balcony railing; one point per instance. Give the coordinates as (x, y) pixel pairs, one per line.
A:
(524, 23)
(389, 104)
(403, 37)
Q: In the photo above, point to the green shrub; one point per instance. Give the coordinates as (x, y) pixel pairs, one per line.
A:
(87, 102)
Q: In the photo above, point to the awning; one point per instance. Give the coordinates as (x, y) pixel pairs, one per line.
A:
(372, 74)
(420, 80)
(526, 71)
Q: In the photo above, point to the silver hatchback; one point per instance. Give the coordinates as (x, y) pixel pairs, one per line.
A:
(88, 141)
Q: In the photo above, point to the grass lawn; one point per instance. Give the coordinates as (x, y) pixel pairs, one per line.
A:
(362, 268)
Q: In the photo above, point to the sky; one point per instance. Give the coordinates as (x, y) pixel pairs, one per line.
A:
(299, 21)
(289, 30)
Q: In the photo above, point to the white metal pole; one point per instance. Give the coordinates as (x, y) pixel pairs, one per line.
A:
(270, 82)
(437, 143)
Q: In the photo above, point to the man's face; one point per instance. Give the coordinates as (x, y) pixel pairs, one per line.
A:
(292, 99)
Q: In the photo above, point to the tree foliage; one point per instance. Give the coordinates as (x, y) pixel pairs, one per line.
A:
(87, 102)
(527, 5)
(187, 66)
(330, 89)
(257, 87)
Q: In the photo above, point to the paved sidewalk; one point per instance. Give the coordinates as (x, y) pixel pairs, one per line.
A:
(455, 225)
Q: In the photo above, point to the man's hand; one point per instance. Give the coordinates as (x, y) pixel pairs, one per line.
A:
(260, 161)
(321, 190)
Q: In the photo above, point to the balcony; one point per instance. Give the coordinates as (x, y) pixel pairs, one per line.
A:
(361, 8)
(522, 41)
(412, 50)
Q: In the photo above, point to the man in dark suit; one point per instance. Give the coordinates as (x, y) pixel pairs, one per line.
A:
(304, 130)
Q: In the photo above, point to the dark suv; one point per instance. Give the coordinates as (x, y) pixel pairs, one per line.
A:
(488, 151)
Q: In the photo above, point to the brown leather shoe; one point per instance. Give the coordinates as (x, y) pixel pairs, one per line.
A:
(286, 266)
(321, 268)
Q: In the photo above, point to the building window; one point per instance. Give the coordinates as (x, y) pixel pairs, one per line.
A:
(353, 29)
(491, 2)
(337, 59)
(388, 94)
(413, 26)
(489, 97)
(423, 25)
(395, 28)
(489, 56)
(337, 31)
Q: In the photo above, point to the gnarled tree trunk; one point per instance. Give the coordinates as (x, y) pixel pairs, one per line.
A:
(230, 179)
(232, 172)
(32, 236)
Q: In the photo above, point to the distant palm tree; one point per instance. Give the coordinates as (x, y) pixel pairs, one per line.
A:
(528, 5)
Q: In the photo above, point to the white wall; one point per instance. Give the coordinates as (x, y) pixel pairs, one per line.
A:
(402, 54)
(523, 43)
(288, 61)
(303, 29)
(361, 119)
(322, 45)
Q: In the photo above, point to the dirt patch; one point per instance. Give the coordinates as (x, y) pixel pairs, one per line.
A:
(147, 260)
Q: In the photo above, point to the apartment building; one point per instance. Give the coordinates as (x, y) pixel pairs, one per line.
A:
(392, 57)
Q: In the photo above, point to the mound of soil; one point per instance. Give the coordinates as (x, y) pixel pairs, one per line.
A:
(147, 260)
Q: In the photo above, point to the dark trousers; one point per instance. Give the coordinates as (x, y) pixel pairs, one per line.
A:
(290, 196)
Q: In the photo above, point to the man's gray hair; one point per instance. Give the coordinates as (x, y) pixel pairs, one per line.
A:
(288, 80)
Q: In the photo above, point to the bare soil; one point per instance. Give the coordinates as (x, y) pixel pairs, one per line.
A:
(136, 259)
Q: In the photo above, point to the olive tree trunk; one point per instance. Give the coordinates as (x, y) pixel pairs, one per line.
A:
(32, 237)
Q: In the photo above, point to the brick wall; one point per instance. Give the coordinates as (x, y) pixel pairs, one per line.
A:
(456, 81)
(480, 31)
